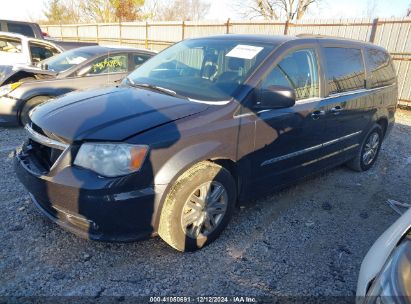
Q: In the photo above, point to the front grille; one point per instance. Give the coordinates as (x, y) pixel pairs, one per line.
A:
(45, 155)
(44, 150)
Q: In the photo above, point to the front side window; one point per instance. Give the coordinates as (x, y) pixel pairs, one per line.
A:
(110, 64)
(382, 72)
(298, 71)
(22, 29)
(139, 59)
(41, 52)
(345, 69)
(10, 45)
(203, 69)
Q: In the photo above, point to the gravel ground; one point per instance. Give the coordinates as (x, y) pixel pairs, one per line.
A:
(306, 240)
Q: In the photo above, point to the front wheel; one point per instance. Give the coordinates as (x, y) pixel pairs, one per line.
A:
(369, 151)
(198, 207)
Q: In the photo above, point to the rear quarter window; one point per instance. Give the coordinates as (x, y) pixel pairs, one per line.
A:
(381, 70)
(40, 52)
(345, 69)
(10, 45)
(18, 28)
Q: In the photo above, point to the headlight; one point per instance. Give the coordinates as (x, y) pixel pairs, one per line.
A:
(393, 284)
(4, 90)
(111, 159)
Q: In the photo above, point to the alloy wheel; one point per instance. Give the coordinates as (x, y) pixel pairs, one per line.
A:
(371, 148)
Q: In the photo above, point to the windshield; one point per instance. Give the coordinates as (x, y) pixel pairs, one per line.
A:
(66, 60)
(203, 69)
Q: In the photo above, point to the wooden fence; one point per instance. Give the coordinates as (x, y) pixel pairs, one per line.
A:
(392, 34)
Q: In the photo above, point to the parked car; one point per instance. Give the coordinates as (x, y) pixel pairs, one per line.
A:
(33, 30)
(19, 49)
(20, 55)
(203, 124)
(28, 29)
(77, 69)
(385, 275)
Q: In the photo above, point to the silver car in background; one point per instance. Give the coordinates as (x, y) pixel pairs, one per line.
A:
(22, 50)
(385, 275)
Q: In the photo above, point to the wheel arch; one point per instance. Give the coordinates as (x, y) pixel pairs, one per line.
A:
(231, 166)
(182, 161)
(19, 75)
(23, 104)
(383, 123)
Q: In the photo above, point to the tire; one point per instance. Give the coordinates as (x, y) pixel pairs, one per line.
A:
(361, 162)
(30, 104)
(180, 208)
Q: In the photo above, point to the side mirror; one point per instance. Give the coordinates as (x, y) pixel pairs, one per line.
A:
(44, 66)
(275, 97)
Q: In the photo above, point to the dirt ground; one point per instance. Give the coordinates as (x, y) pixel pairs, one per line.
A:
(306, 240)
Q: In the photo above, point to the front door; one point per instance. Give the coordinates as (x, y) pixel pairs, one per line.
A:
(289, 140)
(105, 70)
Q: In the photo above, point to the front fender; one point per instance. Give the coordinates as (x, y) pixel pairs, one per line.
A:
(184, 159)
(26, 93)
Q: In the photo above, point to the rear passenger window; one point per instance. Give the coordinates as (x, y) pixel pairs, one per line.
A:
(382, 72)
(297, 71)
(18, 28)
(345, 69)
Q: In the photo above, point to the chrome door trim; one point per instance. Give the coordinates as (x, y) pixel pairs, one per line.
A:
(296, 153)
(353, 92)
(330, 155)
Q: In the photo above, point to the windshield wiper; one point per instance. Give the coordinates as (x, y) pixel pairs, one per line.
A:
(153, 87)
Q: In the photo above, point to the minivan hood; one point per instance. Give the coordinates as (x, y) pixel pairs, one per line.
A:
(110, 114)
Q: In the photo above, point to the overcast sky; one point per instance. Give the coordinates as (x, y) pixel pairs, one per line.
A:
(223, 9)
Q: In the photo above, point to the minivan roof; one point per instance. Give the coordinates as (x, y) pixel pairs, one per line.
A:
(279, 39)
(252, 38)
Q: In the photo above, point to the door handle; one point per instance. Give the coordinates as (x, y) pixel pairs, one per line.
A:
(337, 110)
(316, 114)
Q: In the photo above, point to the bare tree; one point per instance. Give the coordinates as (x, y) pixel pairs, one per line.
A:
(409, 11)
(150, 10)
(275, 9)
(372, 7)
(176, 10)
(199, 9)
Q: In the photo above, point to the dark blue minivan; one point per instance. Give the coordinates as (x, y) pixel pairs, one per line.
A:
(202, 125)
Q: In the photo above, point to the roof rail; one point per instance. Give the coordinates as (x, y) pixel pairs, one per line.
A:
(307, 35)
(318, 36)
